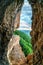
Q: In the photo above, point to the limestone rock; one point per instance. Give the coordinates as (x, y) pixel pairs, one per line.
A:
(8, 11)
(17, 20)
(15, 54)
(37, 33)
(30, 59)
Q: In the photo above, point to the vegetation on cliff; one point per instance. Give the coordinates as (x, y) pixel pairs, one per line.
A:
(23, 35)
(25, 42)
(26, 48)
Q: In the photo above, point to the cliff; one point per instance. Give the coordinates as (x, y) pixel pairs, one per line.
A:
(37, 32)
(15, 55)
(8, 11)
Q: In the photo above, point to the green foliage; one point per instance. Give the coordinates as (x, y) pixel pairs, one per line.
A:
(23, 35)
(25, 42)
(25, 47)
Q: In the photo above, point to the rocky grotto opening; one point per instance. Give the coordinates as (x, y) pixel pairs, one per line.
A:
(11, 53)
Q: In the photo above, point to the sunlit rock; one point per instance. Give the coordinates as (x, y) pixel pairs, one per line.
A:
(15, 55)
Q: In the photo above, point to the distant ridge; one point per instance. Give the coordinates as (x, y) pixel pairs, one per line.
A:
(24, 29)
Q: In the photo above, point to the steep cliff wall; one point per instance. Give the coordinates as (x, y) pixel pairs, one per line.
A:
(8, 12)
(37, 31)
(15, 55)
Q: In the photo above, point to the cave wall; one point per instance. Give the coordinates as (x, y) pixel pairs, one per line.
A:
(8, 14)
(37, 31)
(10, 7)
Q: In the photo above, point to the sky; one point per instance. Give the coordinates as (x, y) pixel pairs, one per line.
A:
(25, 17)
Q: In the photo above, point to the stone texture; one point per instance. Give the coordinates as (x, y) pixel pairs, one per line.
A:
(37, 33)
(8, 12)
(15, 54)
(17, 20)
(30, 59)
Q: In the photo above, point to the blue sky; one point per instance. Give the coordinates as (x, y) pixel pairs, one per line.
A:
(26, 14)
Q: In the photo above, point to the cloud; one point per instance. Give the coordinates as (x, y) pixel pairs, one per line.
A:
(25, 17)
(26, 12)
(26, 3)
(29, 29)
(24, 24)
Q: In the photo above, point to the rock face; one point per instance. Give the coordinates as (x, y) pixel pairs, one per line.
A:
(37, 33)
(17, 20)
(30, 59)
(15, 54)
(8, 11)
